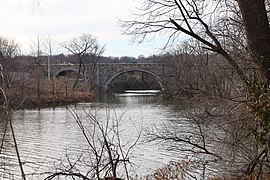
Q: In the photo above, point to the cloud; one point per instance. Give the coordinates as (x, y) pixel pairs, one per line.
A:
(64, 19)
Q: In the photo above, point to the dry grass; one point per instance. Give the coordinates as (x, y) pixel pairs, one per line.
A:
(52, 93)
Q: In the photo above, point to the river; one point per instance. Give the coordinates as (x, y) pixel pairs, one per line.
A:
(50, 138)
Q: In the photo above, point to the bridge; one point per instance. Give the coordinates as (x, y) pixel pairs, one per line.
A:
(104, 73)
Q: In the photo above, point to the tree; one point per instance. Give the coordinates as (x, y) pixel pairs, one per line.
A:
(193, 71)
(37, 52)
(197, 18)
(8, 50)
(256, 23)
(108, 148)
(51, 49)
(217, 26)
(83, 47)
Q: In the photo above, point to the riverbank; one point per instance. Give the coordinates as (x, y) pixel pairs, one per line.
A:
(46, 93)
(33, 103)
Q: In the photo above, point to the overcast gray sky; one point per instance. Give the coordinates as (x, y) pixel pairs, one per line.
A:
(24, 20)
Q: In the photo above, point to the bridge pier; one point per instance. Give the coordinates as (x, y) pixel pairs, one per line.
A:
(103, 88)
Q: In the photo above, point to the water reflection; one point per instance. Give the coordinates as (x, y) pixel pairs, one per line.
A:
(45, 137)
(132, 97)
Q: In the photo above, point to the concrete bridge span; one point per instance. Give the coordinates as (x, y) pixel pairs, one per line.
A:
(104, 73)
(108, 82)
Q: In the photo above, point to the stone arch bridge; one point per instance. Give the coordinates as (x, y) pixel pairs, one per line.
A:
(104, 73)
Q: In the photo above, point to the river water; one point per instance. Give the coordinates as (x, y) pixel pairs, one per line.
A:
(50, 138)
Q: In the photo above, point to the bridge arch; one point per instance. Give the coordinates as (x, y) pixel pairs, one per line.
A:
(109, 81)
(65, 70)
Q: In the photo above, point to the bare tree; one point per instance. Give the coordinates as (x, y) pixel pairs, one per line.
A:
(8, 50)
(51, 49)
(189, 17)
(107, 149)
(195, 72)
(37, 50)
(218, 27)
(83, 47)
(256, 23)
(212, 141)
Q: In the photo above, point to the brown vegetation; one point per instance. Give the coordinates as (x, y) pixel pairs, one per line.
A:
(52, 93)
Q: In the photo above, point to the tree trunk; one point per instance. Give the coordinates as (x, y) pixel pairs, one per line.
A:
(53, 89)
(66, 88)
(257, 29)
(79, 72)
(38, 92)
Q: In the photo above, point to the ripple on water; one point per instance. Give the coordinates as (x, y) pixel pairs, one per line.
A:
(44, 137)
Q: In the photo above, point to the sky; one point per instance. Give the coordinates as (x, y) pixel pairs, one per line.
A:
(62, 20)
